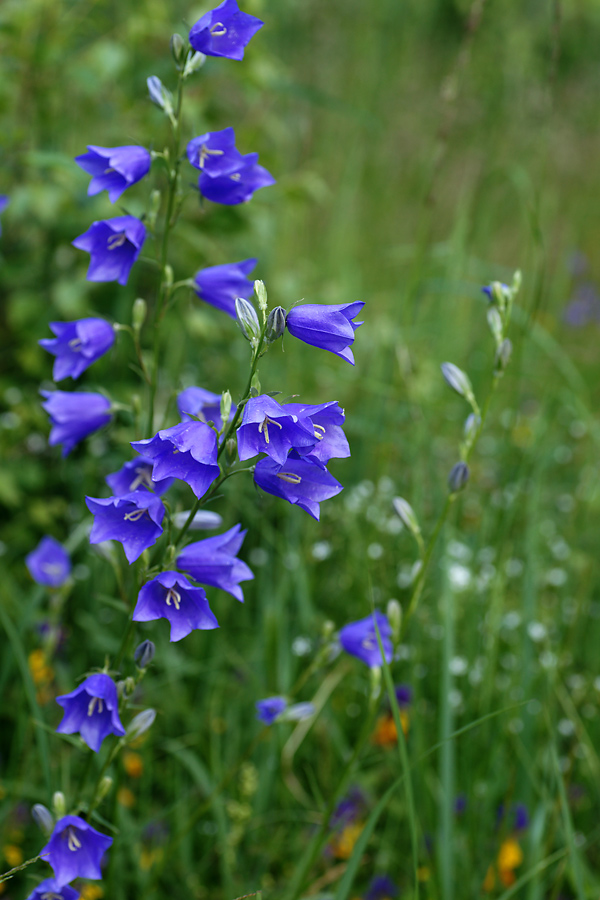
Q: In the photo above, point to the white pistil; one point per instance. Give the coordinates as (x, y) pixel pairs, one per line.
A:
(73, 841)
(135, 516)
(51, 568)
(218, 29)
(317, 429)
(92, 704)
(205, 152)
(263, 428)
(50, 895)
(291, 477)
(175, 596)
(108, 171)
(369, 643)
(75, 344)
(116, 240)
(142, 477)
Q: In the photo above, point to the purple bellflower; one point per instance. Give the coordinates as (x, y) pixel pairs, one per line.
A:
(381, 888)
(215, 153)
(171, 596)
(299, 482)
(224, 31)
(201, 404)
(114, 169)
(404, 695)
(74, 415)
(221, 285)
(214, 561)
(4, 201)
(269, 710)
(92, 709)
(136, 475)
(77, 345)
(325, 420)
(114, 246)
(187, 451)
(328, 327)
(49, 890)
(75, 850)
(49, 563)
(360, 639)
(238, 186)
(267, 427)
(135, 520)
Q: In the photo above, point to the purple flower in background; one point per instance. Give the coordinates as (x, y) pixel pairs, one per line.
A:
(187, 451)
(238, 186)
(77, 345)
(268, 710)
(521, 817)
(74, 415)
(328, 327)
(92, 709)
(220, 285)
(114, 169)
(460, 804)
(299, 482)
(203, 405)
(404, 695)
(136, 475)
(224, 31)
(381, 888)
(114, 246)
(75, 850)
(4, 201)
(325, 420)
(349, 808)
(583, 307)
(49, 563)
(215, 153)
(171, 596)
(267, 427)
(50, 890)
(135, 520)
(214, 561)
(360, 639)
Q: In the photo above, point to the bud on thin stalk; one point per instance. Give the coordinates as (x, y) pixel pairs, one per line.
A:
(140, 724)
(261, 297)
(406, 514)
(138, 313)
(59, 805)
(178, 51)
(247, 319)
(144, 654)
(394, 614)
(225, 408)
(43, 818)
(458, 477)
(275, 324)
(503, 355)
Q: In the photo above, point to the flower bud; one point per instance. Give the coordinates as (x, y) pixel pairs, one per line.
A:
(104, 787)
(495, 322)
(247, 319)
(405, 512)
(231, 450)
(327, 629)
(43, 818)
(159, 94)
(275, 324)
(138, 313)
(178, 51)
(457, 379)
(471, 426)
(503, 354)
(298, 711)
(194, 62)
(458, 477)
(155, 198)
(225, 407)
(140, 724)
(261, 296)
(204, 520)
(129, 685)
(375, 680)
(144, 654)
(59, 805)
(394, 614)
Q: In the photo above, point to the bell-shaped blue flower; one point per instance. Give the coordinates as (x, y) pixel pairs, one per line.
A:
(221, 285)
(224, 31)
(298, 481)
(114, 169)
(74, 415)
(267, 427)
(77, 345)
(214, 561)
(171, 596)
(136, 475)
(329, 327)
(187, 451)
(50, 890)
(49, 563)
(135, 520)
(381, 887)
(238, 186)
(201, 404)
(325, 419)
(4, 201)
(92, 709)
(269, 709)
(215, 153)
(360, 639)
(75, 850)
(114, 246)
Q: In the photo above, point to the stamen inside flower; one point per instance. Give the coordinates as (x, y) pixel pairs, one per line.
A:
(205, 152)
(52, 568)
(317, 429)
(116, 240)
(50, 895)
(135, 516)
(175, 596)
(108, 171)
(263, 428)
(218, 29)
(73, 841)
(290, 477)
(75, 344)
(236, 176)
(92, 704)
(369, 643)
(142, 477)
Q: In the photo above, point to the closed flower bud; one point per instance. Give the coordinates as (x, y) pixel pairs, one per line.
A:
(405, 512)
(261, 296)
(144, 654)
(140, 724)
(104, 788)
(457, 379)
(275, 324)
(43, 818)
(503, 355)
(159, 94)
(138, 313)
(194, 62)
(247, 319)
(129, 685)
(178, 51)
(59, 805)
(495, 322)
(225, 407)
(231, 450)
(394, 614)
(375, 682)
(155, 198)
(458, 477)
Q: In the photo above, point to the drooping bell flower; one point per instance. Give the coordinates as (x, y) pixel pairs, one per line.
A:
(135, 520)
(269, 709)
(187, 451)
(114, 245)
(74, 415)
(238, 186)
(171, 596)
(325, 419)
(49, 563)
(213, 561)
(77, 345)
(360, 639)
(114, 169)
(92, 710)
(50, 890)
(219, 286)
(298, 481)
(328, 327)
(136, 475)
(75, 850)
(215, 153)
(268, 427)
(198, 403)
(224, 31)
